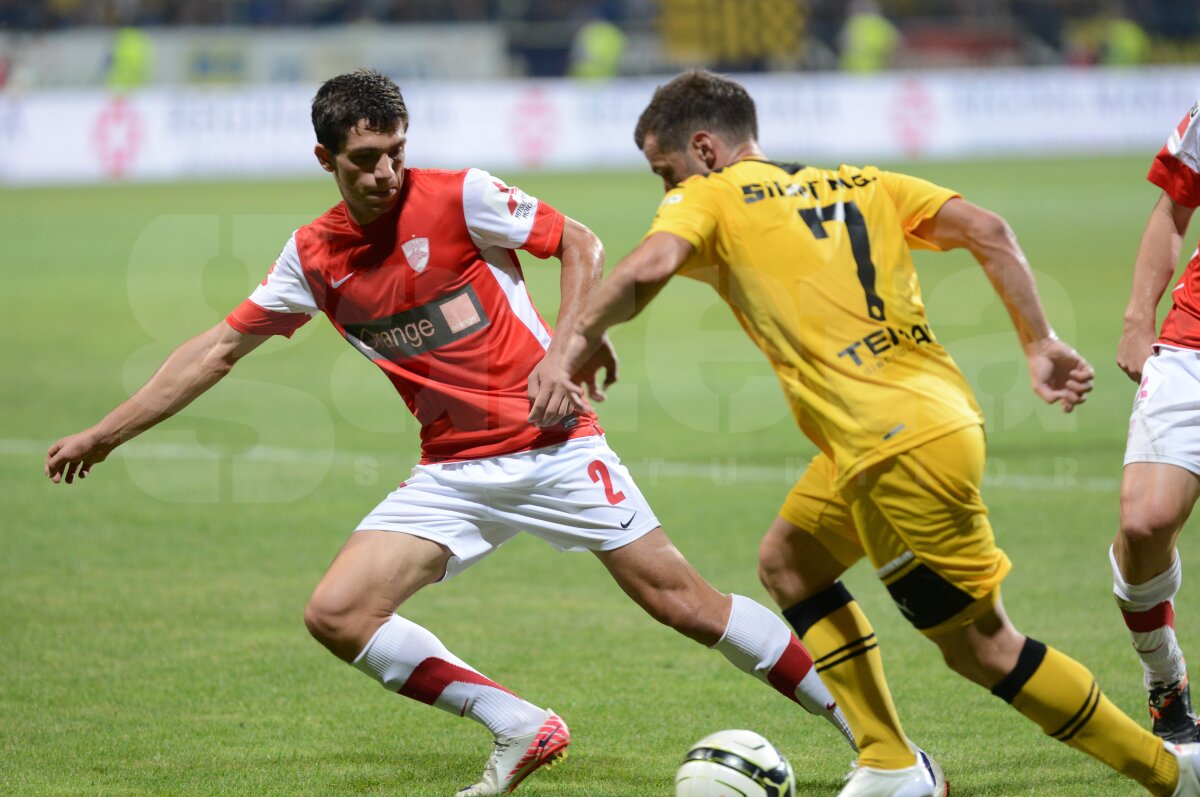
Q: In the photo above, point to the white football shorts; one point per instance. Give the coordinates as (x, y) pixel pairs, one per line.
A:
(1165, 423)
(577, 496)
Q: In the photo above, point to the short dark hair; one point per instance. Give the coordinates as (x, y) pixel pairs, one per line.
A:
(697, 100)
(363, 95)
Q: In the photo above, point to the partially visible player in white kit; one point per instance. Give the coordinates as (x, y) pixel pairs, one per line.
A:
(1161, 479)
(416, 270)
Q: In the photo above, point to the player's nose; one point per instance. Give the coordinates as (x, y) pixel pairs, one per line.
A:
(385, 170)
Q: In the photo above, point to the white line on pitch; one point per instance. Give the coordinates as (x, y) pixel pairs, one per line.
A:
(721, 470)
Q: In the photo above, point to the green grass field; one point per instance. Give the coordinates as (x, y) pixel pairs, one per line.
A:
(151, 636)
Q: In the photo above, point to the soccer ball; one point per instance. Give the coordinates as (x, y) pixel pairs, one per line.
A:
(734, 764)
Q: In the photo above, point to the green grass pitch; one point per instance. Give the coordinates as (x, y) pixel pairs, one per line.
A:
(151, 639)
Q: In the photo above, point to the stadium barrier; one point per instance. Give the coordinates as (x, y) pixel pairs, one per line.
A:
(92, 136)
(218, 55)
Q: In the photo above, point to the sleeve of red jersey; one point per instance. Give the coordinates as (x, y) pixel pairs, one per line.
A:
(1176, 168)
(502, 215)
(281, 304)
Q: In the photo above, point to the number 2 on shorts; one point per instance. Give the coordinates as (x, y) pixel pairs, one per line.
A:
(598, 472)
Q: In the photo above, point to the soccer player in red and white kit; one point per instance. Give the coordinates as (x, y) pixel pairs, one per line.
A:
(1161, 478)
(415, 268)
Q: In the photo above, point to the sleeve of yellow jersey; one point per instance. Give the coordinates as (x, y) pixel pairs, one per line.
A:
(916, 200)
(687, 211)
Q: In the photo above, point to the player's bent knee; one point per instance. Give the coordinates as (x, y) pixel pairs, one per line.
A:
(342, 626)
(1148, 527)
(324, 625)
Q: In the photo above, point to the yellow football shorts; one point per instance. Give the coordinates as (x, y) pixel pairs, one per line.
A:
(920, 520)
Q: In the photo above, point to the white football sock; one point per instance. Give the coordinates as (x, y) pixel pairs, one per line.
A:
(408, 659)
(1149, 612)
(754, 638)
(756, 641)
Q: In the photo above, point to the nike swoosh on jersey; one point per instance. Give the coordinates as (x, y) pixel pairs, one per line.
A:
(625, 525)
(338, 283)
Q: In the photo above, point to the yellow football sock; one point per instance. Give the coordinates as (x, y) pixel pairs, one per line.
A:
(1062, 696)
(842, 643)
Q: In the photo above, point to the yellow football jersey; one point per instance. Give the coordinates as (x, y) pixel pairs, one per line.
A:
(816, 266)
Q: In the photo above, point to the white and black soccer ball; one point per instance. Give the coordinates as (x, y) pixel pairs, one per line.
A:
(734, 764)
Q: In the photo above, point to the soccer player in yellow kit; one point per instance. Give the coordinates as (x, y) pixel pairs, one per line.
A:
(816, 265)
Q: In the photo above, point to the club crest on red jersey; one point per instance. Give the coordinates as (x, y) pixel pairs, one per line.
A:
(416, 252)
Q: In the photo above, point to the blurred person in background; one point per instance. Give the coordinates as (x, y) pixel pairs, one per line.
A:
(597, 48)
(131, 59)
(1124, 42)
(868, 40)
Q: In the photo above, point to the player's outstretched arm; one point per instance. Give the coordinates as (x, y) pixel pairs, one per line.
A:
(631, 285)
(1152, 272)
(628, 289)
(191, 369)
(1057, 371)
(582, 257)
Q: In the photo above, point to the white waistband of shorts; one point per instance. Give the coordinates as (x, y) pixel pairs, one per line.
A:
(1174, 349)
(586, 441)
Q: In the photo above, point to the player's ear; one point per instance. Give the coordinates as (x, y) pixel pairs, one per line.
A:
(324, 157)
(703, 147)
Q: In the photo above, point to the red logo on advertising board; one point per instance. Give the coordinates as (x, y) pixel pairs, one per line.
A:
(913, 115)
(535, 126)
(117, 136)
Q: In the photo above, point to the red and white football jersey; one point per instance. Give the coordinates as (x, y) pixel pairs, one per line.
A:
(433, 294)
(1176, 170)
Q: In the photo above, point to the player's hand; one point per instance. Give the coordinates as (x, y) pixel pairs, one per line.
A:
(74, 456)
(604, 358)
(553, 395)
(1059, 373)
(1136, 346)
